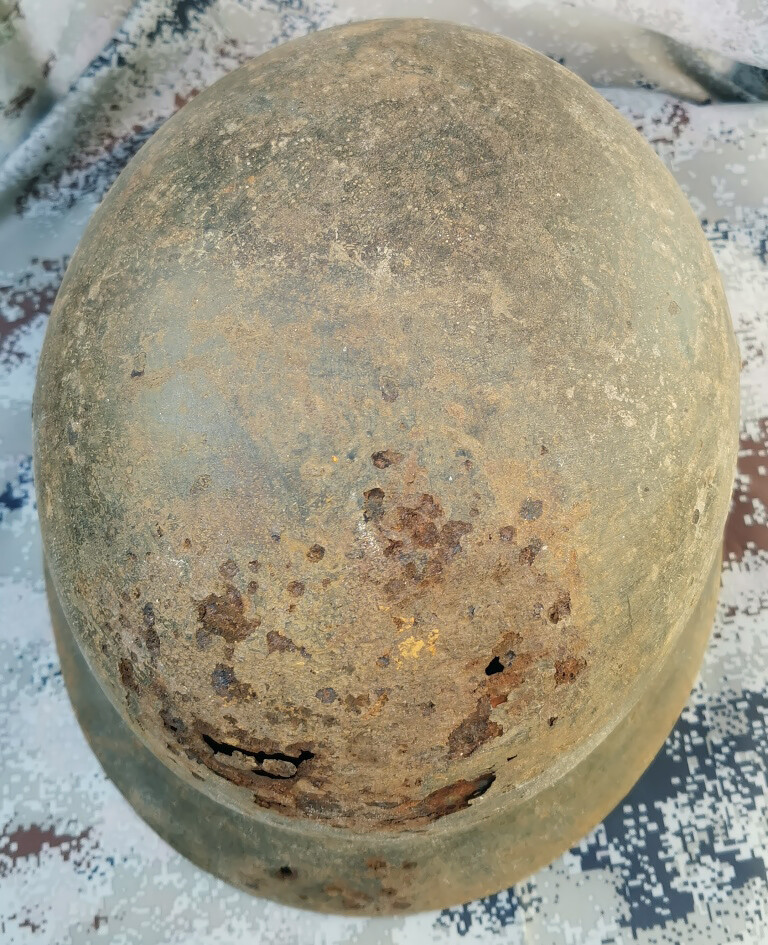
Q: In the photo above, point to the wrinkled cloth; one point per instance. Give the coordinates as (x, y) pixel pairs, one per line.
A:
(83, 84)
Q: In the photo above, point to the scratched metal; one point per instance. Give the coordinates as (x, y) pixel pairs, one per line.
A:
(683, 859)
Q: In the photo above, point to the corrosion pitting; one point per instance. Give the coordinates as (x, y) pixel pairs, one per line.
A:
(224, 615)
(440, 803)
(568, 670)
(473, 731)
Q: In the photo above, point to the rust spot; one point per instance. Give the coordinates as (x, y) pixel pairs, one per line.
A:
(224, 616)
(567, 670)
(229, 569)
(127, 676)
(356, 704)
(560, 609)
(172, 722)
(349, 897)
(403, 623)
(226, 684)
(373, 505)
(507, 533)
(425, 534)
(254, 565)
(528, 554)
(253, 586)
(531, 509)
(151, 638)
(278, 643)
(474, 731)
(296, 589)
(200, 484)
(385, 458)
(389, 391)
(448, 800)
(316, 553)
(326, 695)
(452, 533)
(429, 506)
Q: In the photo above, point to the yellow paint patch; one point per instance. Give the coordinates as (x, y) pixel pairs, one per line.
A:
(411, 647)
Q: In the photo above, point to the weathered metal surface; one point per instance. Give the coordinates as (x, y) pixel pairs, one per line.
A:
(385, 427)
(399, 873)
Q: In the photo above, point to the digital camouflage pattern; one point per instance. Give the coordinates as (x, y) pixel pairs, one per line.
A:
(683, 859)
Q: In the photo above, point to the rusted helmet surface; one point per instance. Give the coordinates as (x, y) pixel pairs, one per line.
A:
(385, 427)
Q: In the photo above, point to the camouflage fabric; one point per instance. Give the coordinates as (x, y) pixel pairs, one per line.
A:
(83, 83)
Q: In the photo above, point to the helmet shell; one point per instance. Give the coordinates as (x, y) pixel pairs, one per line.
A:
(384, 429)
